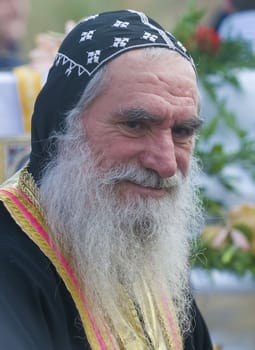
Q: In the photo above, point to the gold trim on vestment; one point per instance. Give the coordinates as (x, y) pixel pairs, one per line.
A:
(141, 321)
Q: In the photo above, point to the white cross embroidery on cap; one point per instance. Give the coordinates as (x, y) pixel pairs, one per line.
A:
(121, 24)
(150, 37)
(93, 56)
(120, 42)
(87, 35)
(72, 65)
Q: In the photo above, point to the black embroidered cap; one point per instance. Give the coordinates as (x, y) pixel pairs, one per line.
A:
(90, 45)
(102, 37)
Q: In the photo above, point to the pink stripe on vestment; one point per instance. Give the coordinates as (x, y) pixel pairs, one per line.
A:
(171, 322)
(61, 259)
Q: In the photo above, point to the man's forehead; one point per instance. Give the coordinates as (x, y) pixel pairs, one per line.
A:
(169, 76)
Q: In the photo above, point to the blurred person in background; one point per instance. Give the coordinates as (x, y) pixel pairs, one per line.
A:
(13, 19)
(221, 13)
(237, 21)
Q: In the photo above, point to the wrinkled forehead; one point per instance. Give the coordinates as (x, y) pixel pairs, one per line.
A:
(154, 68)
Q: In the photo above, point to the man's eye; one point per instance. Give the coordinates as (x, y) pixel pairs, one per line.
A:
(183, 132)
(134, 125)
(134, 128)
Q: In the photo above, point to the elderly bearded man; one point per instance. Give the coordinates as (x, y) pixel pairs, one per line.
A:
(95, 230)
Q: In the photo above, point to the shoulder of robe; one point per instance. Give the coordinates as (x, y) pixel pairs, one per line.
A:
(36, 310)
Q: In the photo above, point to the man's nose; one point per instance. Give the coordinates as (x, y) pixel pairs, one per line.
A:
(159, 155)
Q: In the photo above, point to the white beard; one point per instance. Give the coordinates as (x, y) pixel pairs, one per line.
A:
(108, 239)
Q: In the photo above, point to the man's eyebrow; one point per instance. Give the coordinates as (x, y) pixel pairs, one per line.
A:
(191, 123)
(139, 114)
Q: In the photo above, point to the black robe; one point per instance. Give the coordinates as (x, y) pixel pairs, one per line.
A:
(36, 310)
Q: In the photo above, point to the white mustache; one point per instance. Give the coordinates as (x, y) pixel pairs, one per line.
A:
(143, 177)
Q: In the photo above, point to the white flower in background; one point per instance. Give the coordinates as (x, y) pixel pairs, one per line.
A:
(47, 44)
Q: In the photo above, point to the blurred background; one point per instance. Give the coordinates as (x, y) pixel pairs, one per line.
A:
(50, 15)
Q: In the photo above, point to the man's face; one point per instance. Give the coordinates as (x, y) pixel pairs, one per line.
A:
(140, 127)
(146, 117)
